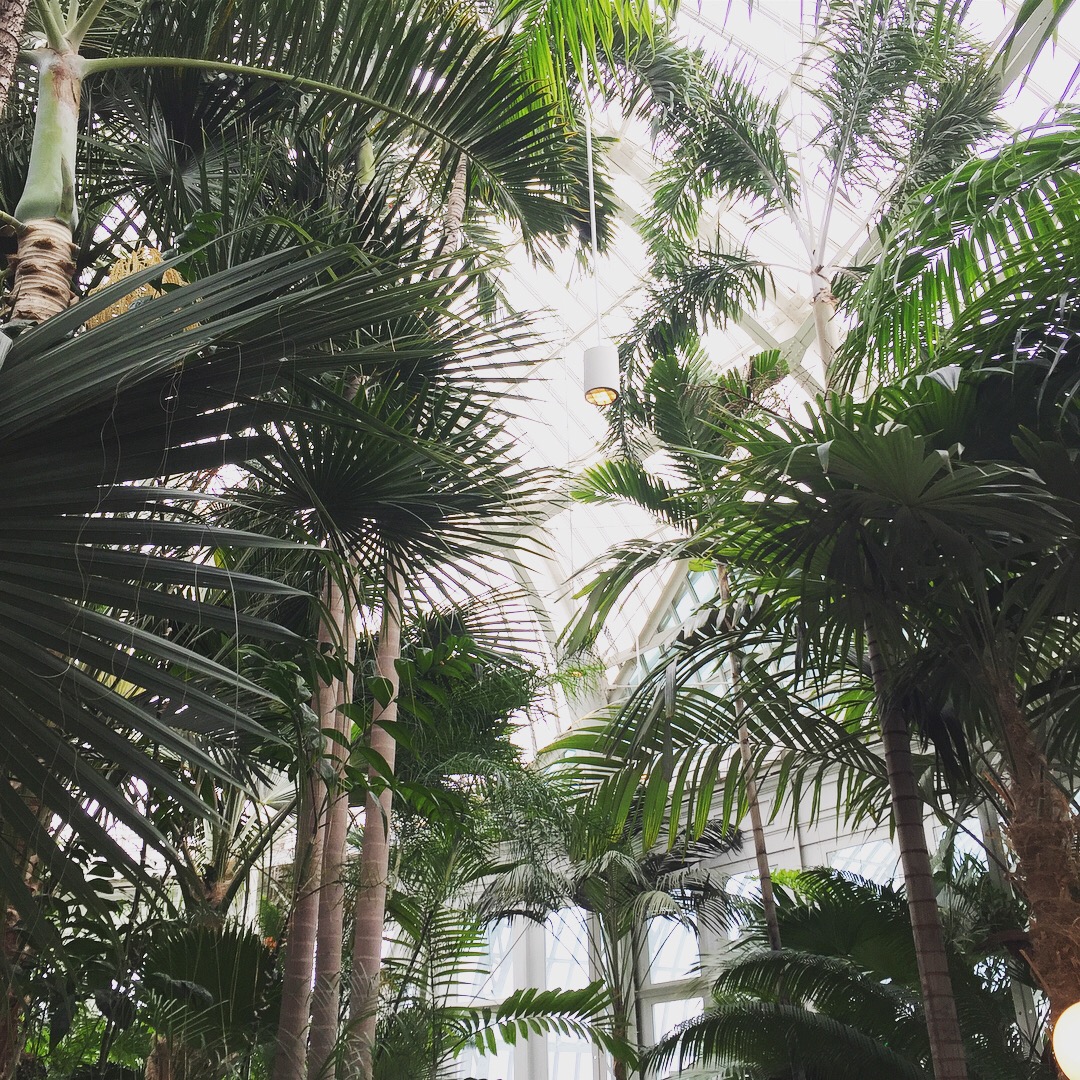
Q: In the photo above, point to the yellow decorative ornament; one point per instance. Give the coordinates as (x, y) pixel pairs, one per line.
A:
(124, 267)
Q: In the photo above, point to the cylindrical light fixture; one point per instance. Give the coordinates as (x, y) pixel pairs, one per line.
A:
(1066, 1042)
(601, 374)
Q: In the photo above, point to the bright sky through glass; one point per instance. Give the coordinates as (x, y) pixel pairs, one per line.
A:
(773, 41)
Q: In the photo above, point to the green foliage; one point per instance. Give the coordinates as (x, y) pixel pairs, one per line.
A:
(841, 1000)
(975, 270)
(214, 988)
(458, 705)
(577, 1013)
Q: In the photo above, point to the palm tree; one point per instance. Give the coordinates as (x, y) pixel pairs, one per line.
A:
(413, 484)
(853, 524)
(899, 94)
(471, 815)
(238, 61)
(624, 883)
(1000, 283)
(92, 648)
(842, 999)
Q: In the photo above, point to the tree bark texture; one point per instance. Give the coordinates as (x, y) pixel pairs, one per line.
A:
(326, 996)
(159, 1062)
(43, 269)
(454, 217)
(44, 263)
(12, 21)
(290, 1057)
(370, 910)
(939, 1005)
(1043, 832)
(761, 851)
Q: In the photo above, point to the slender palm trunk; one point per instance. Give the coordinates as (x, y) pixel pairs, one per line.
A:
(622, 961)
(761, 851)
(290, 1057)
(939, 1005)
(326, 996)
(1044, 834)
(823, 304)
(454, 217)
(12, 21)
(370, 910)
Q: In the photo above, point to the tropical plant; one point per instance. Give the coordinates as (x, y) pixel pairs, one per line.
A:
(98, 657)
(991, 305)
(470, 813)
(899, 94)
(841, 999)
(413, 484)
(210, 994)
(892, 561)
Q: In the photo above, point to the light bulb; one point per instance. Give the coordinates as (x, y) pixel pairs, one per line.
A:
(1066, 1042)
(600, 395)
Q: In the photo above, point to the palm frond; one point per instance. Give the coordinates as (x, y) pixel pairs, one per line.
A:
(581, 1014)
(778, 1040)
(986, 235)
(726, 140)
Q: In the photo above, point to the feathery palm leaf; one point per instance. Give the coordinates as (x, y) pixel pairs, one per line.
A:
(978, 254)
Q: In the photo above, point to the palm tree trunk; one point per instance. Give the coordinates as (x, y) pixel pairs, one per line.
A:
(1044, 835)
(12, 21)
(290, 1057)
(761, 851)
(622, 990)
(939, 1005)
(823, 304)
(326, 996)
(370, 910)
(44, 263)
(454, 217)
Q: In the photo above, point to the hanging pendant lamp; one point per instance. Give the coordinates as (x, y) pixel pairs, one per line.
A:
(601, 366)
(601, 374)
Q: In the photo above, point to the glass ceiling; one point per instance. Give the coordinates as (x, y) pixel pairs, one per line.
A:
(774, 41)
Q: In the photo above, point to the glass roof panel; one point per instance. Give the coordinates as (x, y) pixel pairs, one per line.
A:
(774, 40)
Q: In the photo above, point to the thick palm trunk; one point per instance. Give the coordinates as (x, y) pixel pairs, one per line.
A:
(1043, 832)
(939, 1005)
(44, 263)
(12, 21)
(290, 1057)
(326, 996)
(370, 910)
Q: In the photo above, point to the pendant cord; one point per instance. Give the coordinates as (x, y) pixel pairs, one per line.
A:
(592, 192)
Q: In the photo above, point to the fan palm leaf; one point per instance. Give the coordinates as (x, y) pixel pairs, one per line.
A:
(100, 564)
